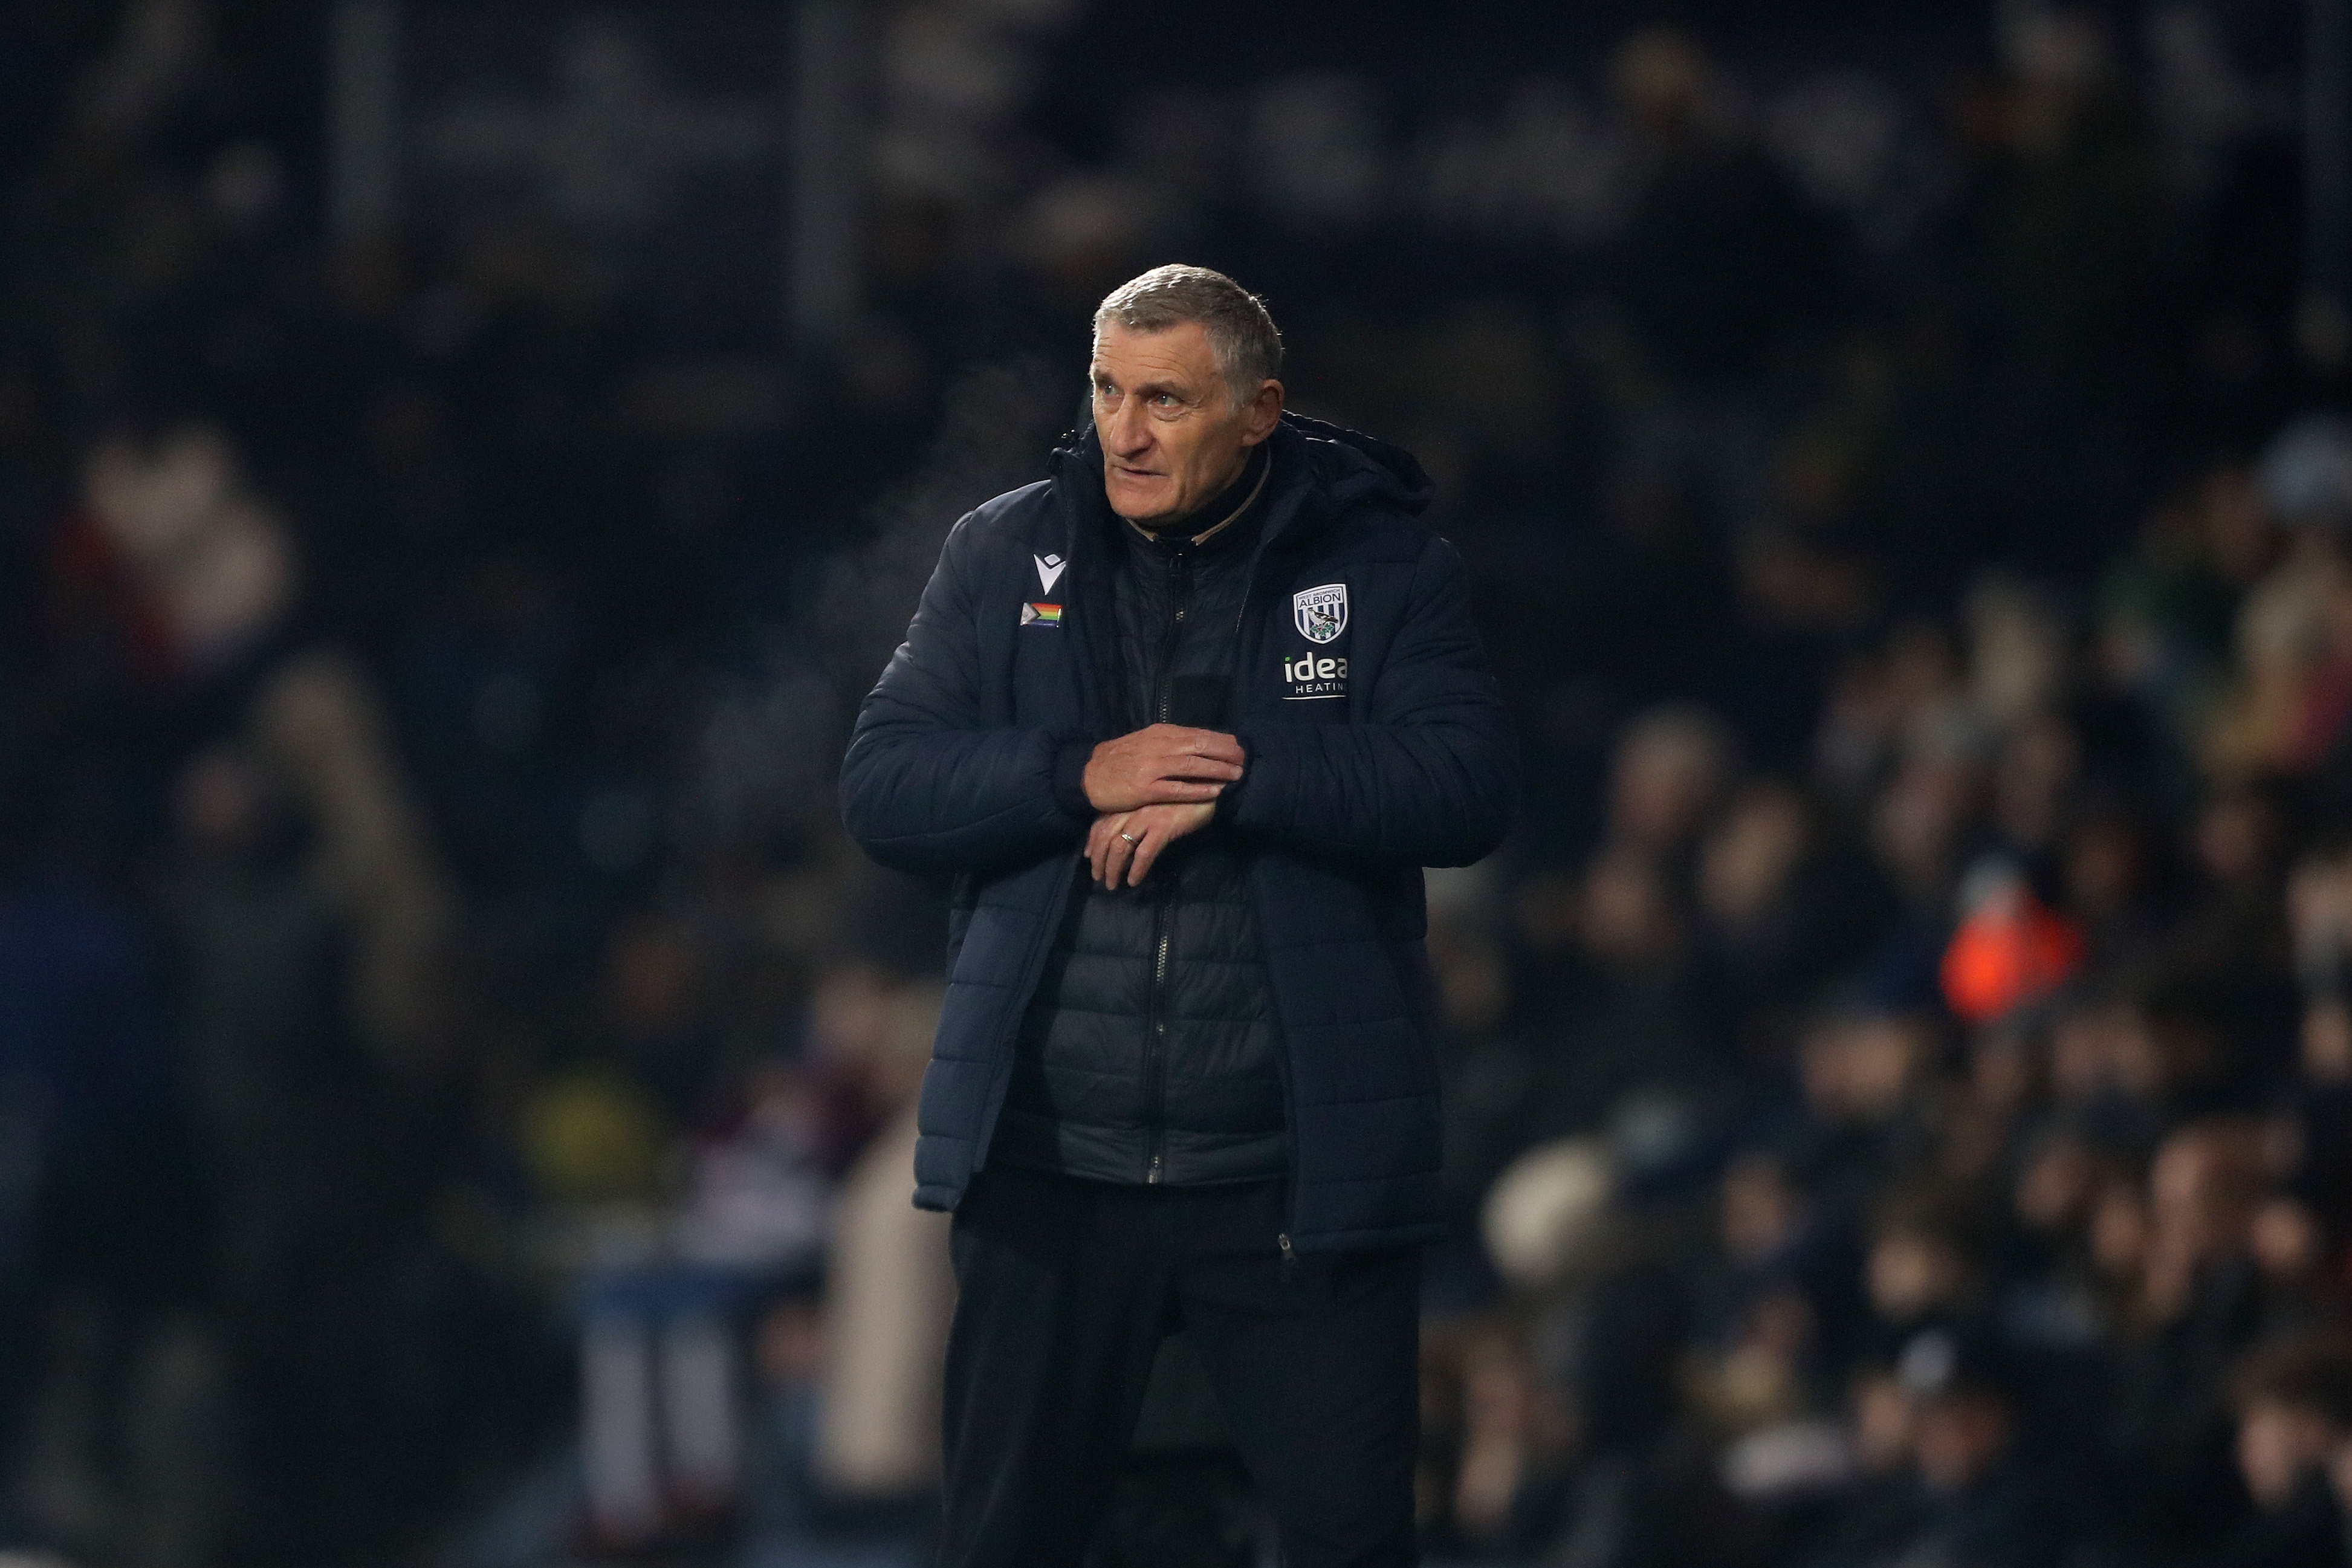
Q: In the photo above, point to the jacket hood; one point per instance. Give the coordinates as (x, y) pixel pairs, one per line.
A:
(1352, 468)
(1346, 467)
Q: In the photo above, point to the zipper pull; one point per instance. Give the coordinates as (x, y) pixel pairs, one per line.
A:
(1289, 1259)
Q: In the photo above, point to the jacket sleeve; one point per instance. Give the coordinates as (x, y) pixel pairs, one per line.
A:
(927, 785)
(1431, 778)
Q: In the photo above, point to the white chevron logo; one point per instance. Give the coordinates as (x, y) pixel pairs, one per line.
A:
(1049, 571)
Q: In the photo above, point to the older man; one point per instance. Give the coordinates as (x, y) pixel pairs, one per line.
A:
(1184, 720)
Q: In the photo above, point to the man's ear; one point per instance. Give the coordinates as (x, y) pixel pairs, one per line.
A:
(1264, 413)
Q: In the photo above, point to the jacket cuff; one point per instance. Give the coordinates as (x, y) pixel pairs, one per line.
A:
(1070, 758)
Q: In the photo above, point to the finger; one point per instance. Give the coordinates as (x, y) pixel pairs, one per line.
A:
(1213, 743)
(1111, 850)
(1188, 739)
(1181, 792)
(1155, 839)
(1099, 837)
(1177, 763)
(1198, 767)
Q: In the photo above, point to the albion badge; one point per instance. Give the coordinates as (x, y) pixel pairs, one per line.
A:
(1321, 613)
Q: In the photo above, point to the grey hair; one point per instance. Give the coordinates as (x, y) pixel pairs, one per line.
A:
(1242, 336)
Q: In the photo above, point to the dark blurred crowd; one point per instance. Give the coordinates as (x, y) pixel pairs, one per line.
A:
(1941, 1152)
(453, 1071)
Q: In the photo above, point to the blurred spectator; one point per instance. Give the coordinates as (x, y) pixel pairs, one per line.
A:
(1924, 1263)
(97, 1226)
(2194, 1311)
(1670, 768)
(1980, 1500)
(888, 1294)
(2294, 1402)
(197, 578)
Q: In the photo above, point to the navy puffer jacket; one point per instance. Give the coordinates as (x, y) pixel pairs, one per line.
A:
(1377, 744)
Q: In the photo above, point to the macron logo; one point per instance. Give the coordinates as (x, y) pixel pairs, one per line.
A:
(1049, 571)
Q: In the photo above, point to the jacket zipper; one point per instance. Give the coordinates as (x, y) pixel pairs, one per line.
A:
(1155, 1053)
(1155, 1040)
(1175, 640)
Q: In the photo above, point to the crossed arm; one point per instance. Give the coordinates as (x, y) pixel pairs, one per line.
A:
(1151, 788)
(933, 782)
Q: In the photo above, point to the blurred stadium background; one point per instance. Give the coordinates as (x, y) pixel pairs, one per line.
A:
(461, 464)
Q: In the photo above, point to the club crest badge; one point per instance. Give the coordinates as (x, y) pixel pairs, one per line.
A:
(1321, 613)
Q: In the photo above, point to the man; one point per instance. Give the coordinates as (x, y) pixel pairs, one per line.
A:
(1185, 721)
(2166, 1441)
(1973, 1497)
(2293, 1400)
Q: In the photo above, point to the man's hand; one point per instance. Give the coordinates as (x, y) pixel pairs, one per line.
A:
(1126, 843)
(1166, 764)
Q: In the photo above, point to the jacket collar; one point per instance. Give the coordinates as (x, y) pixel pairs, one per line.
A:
(1228, 508)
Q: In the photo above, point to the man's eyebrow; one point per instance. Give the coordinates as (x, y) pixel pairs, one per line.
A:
(1142, 389)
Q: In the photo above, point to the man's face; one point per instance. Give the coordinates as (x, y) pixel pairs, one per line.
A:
(1957, 1437)
(2278, 1443)
(1171, 437)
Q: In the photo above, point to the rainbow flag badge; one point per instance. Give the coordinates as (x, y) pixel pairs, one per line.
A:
(1043, 614)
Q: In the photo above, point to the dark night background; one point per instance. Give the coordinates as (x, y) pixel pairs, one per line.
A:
(461, 466)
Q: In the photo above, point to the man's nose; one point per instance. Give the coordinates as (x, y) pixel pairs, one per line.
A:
(1131, 428)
